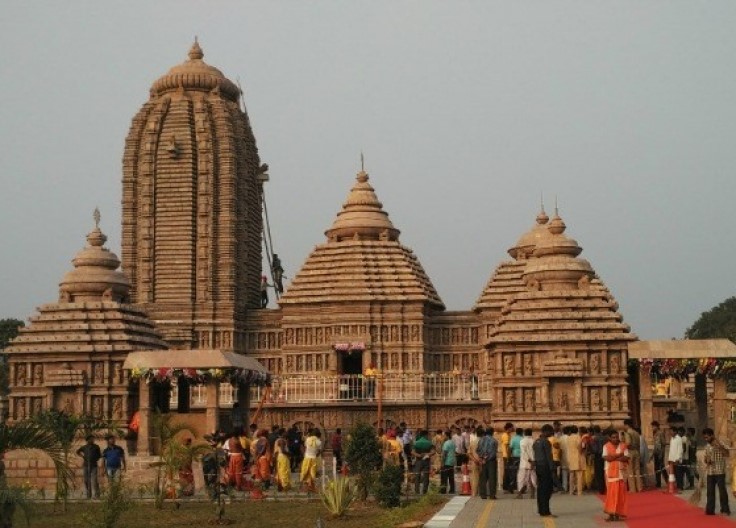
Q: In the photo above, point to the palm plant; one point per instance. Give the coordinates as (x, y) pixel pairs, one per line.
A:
(173, 454)
(67, 428)
(26, 435)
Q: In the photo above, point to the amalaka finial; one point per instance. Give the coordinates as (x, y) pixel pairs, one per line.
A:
(96, 216)
(542, 217)
(195, 52)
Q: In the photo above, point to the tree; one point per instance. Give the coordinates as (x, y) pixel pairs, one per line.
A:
(363, 455)
(67, 428)
(717, 323)
(25, 435)
(173, 455)
(9, 328)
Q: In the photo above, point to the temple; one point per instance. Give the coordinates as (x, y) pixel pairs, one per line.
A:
(360, 333)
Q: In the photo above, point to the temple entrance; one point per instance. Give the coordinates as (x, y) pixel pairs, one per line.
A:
(351, 364)
(351, 382)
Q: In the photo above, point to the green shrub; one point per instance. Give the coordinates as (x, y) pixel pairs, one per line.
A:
(363, 455)
(388, 486)
(338, 495)
(115, 502)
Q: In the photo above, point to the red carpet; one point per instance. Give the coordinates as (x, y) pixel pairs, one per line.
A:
(651, 509)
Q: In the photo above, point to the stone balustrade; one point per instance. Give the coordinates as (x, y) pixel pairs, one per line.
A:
(390, 388)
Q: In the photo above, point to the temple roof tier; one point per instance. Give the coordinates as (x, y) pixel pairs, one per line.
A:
(362, 259)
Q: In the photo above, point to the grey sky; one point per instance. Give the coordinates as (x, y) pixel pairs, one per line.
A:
(466, 111)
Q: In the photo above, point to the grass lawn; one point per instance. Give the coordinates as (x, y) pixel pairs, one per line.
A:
(251, 514)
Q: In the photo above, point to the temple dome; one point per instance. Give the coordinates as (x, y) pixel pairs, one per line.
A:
(529, 240)
(95, 275)
(195, 74)
(555, 264)
(362, 215)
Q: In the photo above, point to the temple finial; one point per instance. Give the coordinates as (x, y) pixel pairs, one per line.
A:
(362, 162)
(96, 216)
(557, 212)
(195, 52)
(541, 201)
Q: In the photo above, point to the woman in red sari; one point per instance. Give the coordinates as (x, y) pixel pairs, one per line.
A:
(616, 456)
(262, 462)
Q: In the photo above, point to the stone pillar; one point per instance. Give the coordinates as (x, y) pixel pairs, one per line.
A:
(243, 395)
(645, 406)
(721, 414)
(578, 404)
(212, 420)
(545, 406)
(144, 427)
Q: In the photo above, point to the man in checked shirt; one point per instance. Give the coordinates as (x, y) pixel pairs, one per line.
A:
(716, 456)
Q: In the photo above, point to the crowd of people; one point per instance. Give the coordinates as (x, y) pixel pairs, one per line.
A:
(567, 459)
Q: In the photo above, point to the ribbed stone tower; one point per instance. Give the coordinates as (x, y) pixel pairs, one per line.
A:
(191, 241)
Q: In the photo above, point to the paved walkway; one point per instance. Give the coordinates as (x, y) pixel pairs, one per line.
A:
(572, 512)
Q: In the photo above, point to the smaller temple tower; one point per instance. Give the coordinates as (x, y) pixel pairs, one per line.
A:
(558, 349)
(361, 297)
(70, 358)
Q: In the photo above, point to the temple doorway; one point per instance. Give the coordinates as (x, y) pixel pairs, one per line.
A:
(351, 382)
(351, 364)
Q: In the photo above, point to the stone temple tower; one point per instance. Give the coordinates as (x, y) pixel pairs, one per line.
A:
(192, 222)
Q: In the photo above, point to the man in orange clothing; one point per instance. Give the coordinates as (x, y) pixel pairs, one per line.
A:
(616, 456)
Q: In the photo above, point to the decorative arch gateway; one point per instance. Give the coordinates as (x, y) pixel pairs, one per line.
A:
(705, 361)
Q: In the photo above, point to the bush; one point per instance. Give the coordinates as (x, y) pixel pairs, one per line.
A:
(338, 495)
(388, 486)
(363, 455)
(115, 502)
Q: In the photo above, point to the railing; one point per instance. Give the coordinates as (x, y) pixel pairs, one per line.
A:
(391, 387)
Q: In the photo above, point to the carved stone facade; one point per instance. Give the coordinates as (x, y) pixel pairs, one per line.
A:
(545, 328)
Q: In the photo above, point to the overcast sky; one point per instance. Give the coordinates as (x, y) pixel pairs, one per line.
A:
(466, 112)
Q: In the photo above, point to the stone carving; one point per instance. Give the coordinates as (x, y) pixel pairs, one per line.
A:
(508, 365)
(38, 374)
(119, 374)
(615, 364)
(529, 400)
(37, 406)
(616, 400)
(415, 333)
(68, 407)
(98, 376)
(117, 408)
(595, 363)
(528, 365)
(97, 410)
(20, 375)
(20, 409)
(510, 400)
(595, 400)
